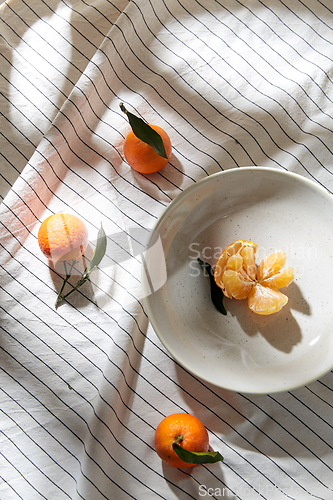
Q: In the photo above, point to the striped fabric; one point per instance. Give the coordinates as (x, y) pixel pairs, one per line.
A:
(234, 83)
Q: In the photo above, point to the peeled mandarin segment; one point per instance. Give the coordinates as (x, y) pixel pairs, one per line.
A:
(235, 285)
(237, 246)
(270, 265)
(280, 280)
(263, 300)
(249, 265)
(234, 247)
(234, 262)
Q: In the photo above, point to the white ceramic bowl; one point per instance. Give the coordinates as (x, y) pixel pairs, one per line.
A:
(243, 351)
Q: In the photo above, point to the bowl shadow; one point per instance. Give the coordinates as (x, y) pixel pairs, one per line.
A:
(282, 332)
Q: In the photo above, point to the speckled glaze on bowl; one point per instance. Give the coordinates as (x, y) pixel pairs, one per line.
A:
(242, 351)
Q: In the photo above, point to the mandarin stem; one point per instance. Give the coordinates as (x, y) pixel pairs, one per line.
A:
(179, 439)
(68, 275)
(81, 281)
(63, 284)
(122, 107)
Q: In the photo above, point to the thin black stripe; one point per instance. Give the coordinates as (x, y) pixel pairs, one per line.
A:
(55, 416)
(36, 466)
(7, 483)
(19, 472)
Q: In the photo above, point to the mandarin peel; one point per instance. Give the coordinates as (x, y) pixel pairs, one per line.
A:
(237, 274)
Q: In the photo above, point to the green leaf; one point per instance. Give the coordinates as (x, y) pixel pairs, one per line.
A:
(99, 250)
(215, 291)
(145, 132)
(197, 457)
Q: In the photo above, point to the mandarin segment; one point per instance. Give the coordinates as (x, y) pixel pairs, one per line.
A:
(279, 280)
(263, 300)
(234, 262)
(239, 245)
(237, 274)
(235, 285)
(248, 254)
(270, 265)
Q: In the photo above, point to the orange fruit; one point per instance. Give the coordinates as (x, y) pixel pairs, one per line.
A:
(142, 157)
(63, 237)
(184, 429)
(238, 276)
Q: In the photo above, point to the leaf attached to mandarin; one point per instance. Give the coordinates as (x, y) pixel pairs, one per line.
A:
(197, 457)
(145, 132)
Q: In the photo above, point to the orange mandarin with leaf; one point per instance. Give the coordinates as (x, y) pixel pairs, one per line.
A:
(147, 148)
(142, 157)
(184, 429)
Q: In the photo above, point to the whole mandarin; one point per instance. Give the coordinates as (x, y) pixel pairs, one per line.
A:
(142, 157)
(188, 431)
(63, 237)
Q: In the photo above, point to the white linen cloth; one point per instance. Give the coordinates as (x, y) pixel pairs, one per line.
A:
(234, 83)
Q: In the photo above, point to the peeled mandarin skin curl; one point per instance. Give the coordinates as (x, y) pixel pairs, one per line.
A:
(63, 237)
(238, 276)
(194, 438)
(142, 157)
